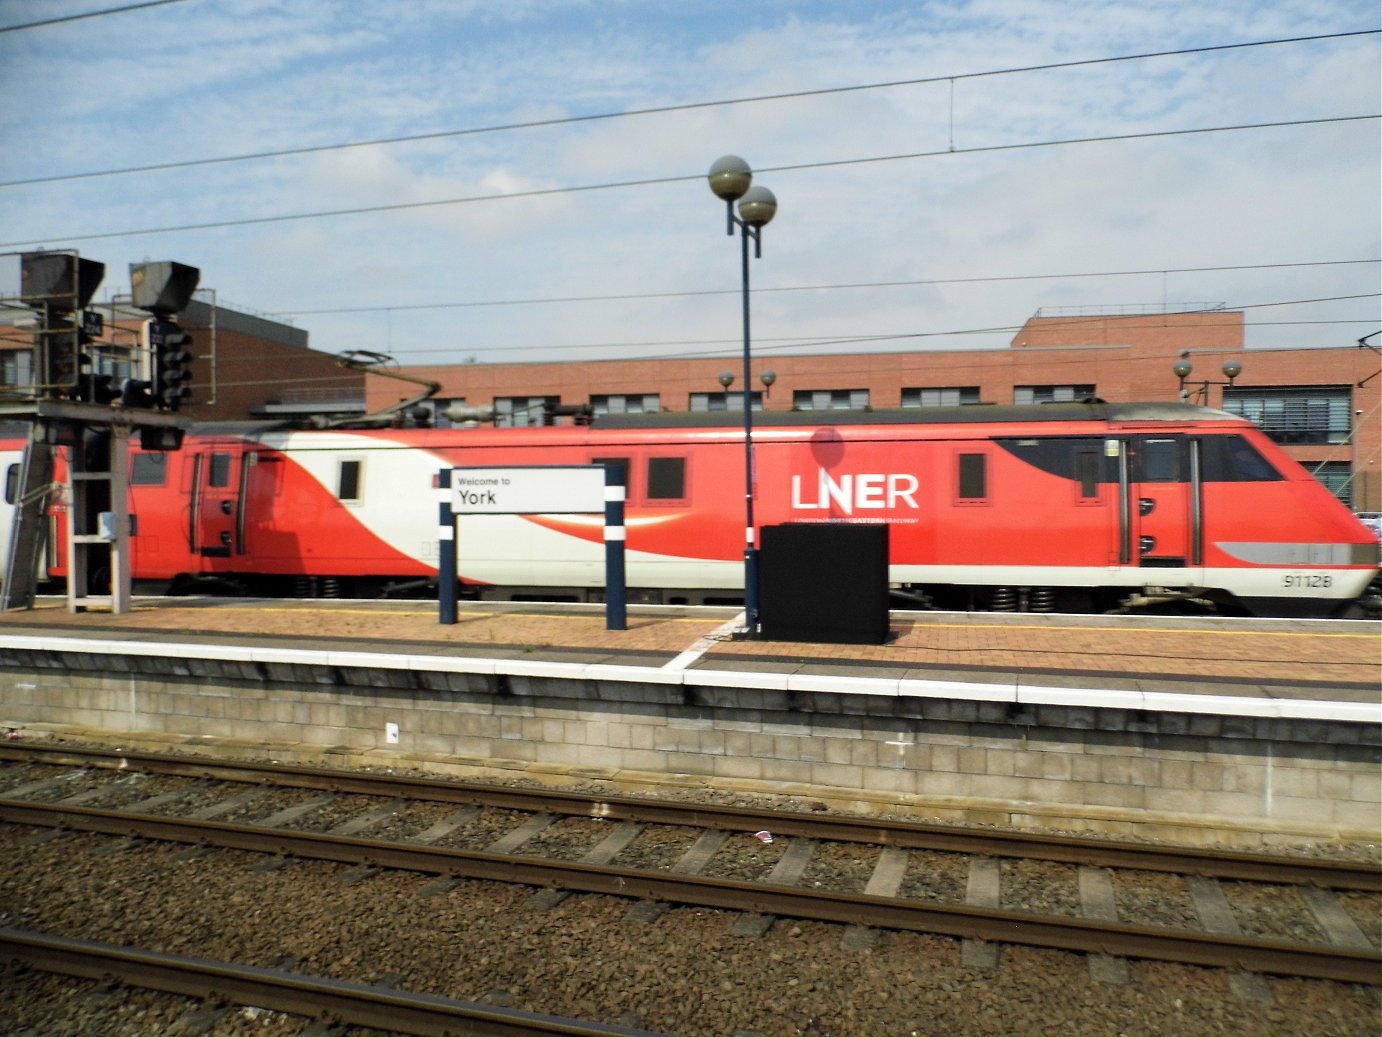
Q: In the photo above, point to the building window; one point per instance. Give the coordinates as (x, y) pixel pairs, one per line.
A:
(522, 411)
(953, 396)
(830, 399)
(713, 401)
(17, 368)
(1315, 414)
(1051, 393)
(635, 403)
(1337, 477)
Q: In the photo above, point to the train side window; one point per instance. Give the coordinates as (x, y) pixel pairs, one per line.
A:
(149, 470)
(348, 481)
(218, 476)
(11, 484)
(666, 479)
(973, 477)
(1087, 472)
(618, 462)
(1161, 460)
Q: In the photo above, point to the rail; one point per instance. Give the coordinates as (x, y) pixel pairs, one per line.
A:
(1243, 866)
(352, 1004)
(1072, 934)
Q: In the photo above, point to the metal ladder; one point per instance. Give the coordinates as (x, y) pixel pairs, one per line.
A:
(98, 520)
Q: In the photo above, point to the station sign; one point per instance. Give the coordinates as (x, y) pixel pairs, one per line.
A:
(532, 490)
(528, 490)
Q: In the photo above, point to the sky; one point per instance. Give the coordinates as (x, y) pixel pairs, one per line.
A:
(935, 189)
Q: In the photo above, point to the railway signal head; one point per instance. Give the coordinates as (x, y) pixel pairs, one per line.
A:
(171, 349)
(59, 285)
(58, 353)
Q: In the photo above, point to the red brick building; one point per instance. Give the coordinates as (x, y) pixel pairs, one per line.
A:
(1323, 404)
(244, 366)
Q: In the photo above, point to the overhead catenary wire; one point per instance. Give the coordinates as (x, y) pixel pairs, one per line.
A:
(361, 210)
(759, 290)
(950, 78)
(103, 12)
(915, 335)
(922, 361)
(786, 344)
(718, 348)
(1151, 315)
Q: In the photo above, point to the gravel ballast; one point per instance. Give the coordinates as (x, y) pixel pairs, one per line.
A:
(687, 973)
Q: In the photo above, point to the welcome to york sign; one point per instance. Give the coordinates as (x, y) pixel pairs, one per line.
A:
(532, 490)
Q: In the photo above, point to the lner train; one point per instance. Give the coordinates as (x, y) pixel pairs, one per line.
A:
(1058, 507)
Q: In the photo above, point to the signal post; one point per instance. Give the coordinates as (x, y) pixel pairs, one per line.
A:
(81, 408)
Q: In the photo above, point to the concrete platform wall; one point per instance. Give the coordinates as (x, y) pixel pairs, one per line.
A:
(1200, 776)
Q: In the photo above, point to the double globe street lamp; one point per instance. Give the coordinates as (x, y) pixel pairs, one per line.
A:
(1183, 369)
(732, 179)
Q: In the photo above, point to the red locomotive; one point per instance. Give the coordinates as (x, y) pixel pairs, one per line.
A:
(1064, 507)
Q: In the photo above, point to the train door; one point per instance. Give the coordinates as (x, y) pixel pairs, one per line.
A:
(257, 533)
(218, 475)
(1160, 481)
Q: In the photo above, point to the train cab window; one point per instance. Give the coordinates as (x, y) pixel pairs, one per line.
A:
(149, 470)
(348, 481)
(1234, 459)
(617, 462)
(973, 477)
(1160, 461)
(218, 475)
(666, 479)
(11, 484)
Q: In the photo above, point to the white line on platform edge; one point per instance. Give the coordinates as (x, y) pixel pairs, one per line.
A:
(676, 672)
(705, 644)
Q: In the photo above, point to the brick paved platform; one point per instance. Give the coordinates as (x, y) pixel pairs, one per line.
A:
(1103, 657)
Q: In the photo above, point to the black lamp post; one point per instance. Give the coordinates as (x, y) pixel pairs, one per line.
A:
(731, 179)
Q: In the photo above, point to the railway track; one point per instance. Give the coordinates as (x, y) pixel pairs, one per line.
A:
(691, 879)
(1215, 863)
(314, 997)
